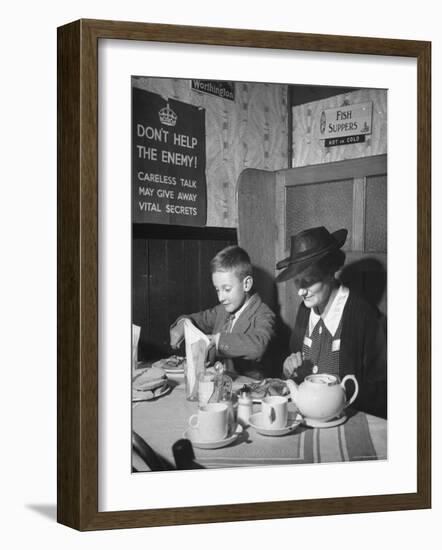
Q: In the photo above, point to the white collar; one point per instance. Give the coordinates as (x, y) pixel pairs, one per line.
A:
(238, 313)
(333, 316)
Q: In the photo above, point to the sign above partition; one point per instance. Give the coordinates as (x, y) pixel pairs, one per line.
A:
(223, 89)
(347, 120)
(168, 161)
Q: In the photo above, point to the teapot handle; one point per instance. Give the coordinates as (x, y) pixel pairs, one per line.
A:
(355, 393)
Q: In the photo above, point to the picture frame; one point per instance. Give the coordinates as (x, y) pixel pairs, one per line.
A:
(78, 274)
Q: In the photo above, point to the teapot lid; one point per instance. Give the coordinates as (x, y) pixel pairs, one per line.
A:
(326, 379)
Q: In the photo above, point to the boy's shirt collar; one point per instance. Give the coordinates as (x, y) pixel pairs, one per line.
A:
(235, 316)
(238, 313)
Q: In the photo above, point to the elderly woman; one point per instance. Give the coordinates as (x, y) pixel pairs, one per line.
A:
(336, 331)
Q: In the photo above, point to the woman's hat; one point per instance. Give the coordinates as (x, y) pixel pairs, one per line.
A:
(307, 247)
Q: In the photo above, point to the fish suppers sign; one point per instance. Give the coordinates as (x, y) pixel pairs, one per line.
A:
(168, 161)
(345, 125)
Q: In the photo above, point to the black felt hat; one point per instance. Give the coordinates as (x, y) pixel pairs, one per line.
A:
(307, 247)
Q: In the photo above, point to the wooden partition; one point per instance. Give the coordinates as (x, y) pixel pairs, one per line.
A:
(352, 194)
(257, 230)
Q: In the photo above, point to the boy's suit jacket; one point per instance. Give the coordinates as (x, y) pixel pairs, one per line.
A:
(246, 345)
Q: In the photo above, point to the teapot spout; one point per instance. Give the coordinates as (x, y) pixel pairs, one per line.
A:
(293, 388)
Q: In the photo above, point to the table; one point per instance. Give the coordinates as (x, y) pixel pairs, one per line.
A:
(161, 422)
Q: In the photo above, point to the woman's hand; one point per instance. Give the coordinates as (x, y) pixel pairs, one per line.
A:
(293, 362)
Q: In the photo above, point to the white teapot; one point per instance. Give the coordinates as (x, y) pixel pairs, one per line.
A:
(321, 397)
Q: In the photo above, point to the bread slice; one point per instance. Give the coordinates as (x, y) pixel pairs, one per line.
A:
(151, 379)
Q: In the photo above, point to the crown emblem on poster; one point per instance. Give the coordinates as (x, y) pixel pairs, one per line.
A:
(167, 116)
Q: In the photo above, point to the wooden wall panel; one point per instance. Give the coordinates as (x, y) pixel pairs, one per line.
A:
(250, 132)
(191, 271)
(307, 149)
(172, 274)
(171, 277)
(139, 281)
(157, 295)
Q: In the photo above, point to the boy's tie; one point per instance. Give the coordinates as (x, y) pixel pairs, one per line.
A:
(229, 322)
(228, 363)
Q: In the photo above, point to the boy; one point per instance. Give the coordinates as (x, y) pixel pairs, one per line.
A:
(241, 326)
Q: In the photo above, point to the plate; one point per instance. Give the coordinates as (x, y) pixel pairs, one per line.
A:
(328, 424)
(172, 364)
(293, 421)
(140, 395)
(258, 386)
(178, 370)
(192, 434)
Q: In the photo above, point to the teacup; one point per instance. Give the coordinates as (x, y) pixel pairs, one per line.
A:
(210, 422)
(206, 387)
(274, 412)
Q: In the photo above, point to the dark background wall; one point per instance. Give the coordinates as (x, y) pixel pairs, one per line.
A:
(170, 273)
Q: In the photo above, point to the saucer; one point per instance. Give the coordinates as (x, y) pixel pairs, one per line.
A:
(293, 422)
(192, 434)
(177, 370)
(325, 424)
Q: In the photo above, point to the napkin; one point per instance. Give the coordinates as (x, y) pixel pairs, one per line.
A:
(197, 345)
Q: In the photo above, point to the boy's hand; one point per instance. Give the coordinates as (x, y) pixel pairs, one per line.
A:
(293, 362)
(176, 334)
(211, 349)
(213, 339)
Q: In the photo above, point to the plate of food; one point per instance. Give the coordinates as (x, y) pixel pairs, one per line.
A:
(149, 383)
(265, 387)
(171, 365)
